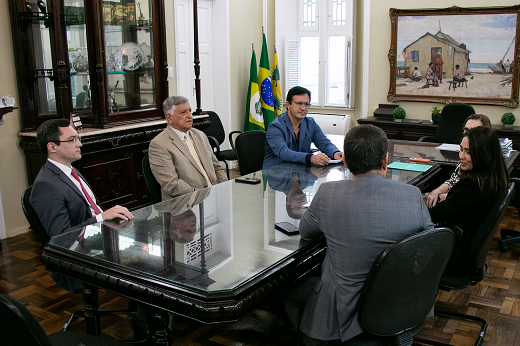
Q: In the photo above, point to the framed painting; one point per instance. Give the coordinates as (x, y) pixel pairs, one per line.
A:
(455, 54)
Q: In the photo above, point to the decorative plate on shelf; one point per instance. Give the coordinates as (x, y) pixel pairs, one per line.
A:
(132, 55)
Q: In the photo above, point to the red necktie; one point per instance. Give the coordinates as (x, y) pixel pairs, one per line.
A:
(89, 199)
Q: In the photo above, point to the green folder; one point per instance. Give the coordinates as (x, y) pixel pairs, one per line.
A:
(409, 166)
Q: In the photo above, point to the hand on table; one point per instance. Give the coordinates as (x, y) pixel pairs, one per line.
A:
(117, 212)
(320, 159)
(338, 155)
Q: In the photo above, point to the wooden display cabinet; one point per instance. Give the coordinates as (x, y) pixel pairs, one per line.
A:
(106, 61)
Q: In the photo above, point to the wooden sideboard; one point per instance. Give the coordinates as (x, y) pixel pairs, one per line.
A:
(111, 161)
(411, 130)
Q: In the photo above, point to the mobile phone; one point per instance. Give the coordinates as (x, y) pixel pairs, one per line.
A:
(247, 180)
(287, 228)
(416, 159)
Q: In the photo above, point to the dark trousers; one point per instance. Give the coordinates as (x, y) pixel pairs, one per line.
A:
(294, 297)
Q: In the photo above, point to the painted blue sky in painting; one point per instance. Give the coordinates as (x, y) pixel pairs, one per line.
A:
(486, 36)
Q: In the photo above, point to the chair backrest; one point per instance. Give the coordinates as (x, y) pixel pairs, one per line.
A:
(33, 218)
(250, 148)
(482, 239)
(515, 198)
(401, 286)
(453, 116)
(18, 326)
(215, 129)
(153, 186)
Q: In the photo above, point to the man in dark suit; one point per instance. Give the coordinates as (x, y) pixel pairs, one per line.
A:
(60, 196)
(359, 219)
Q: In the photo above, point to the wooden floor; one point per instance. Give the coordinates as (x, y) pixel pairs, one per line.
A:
(496, 298)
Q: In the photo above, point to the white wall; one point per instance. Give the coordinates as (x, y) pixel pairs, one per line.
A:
(12, 162)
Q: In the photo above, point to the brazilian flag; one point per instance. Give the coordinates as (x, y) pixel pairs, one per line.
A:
(266, 88)
(277, 88)
(254, 118)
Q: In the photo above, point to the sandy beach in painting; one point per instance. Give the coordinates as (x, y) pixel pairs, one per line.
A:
(483, 85)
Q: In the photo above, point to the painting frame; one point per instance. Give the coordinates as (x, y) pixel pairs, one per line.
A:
(399, 89)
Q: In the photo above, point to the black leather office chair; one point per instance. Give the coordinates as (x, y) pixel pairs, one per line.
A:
(216, 136)
(478, 251)
(32, 217)
(19, 327)
(510, 236)
(449, 129)
(250, 148)
(153, 186)
(401, 288)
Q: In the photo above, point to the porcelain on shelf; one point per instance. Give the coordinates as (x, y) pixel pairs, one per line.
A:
(132, 56)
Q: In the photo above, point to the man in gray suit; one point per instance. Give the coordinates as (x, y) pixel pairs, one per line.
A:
(359, 219)
(181, 157)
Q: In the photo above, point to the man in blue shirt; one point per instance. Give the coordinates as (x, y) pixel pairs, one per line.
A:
(290, 135)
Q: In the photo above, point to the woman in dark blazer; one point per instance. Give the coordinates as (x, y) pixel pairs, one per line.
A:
(483, 177)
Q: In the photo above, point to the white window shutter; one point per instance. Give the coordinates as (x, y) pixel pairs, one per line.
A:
(292, 61)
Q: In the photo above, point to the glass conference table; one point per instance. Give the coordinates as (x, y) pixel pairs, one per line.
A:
(215, 254)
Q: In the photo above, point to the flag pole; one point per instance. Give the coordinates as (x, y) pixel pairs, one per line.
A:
(196, 57)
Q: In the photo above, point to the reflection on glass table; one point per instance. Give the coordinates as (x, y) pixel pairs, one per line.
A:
(227, 221)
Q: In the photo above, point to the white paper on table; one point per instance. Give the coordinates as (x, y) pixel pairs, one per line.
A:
(448, 147)
(335, 161)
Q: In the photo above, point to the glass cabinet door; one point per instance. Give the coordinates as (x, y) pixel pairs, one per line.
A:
(78, 53)
(42, 71)
(104, 59)
(129, 55)
(38, 98)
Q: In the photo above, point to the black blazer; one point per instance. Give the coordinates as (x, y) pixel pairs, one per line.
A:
(58, 202)
(60, 206)
(467, 207)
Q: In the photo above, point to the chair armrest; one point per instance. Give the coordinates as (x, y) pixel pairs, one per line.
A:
(426, 139)
(231, 139)
(214, 145)
(456, 229)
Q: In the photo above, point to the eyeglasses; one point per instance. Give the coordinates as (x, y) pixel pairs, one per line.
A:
(76, 140)
(299, 104)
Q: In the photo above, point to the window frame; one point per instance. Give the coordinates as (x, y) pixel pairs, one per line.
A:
(323, 30)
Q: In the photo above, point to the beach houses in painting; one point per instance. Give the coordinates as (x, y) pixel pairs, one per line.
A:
(429, 48)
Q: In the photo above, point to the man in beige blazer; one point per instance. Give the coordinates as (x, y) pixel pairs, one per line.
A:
(172, 163)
